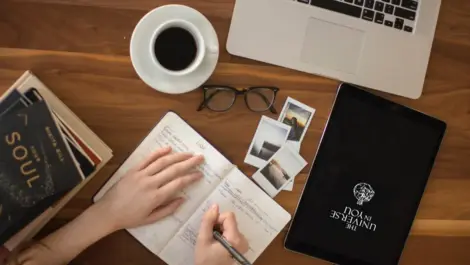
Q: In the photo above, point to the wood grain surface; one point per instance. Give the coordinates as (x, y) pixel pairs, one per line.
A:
(80, 49)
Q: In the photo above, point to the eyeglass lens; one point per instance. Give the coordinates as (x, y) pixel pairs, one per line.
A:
(221, 98)
(260, 99)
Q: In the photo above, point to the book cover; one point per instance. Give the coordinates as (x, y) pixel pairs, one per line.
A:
(93, 147)
(12, 102)
(86, 164)
(15, 101)
(35, 162)
(19, 219)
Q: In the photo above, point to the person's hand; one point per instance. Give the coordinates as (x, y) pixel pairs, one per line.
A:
(147, 193)
(211, 252)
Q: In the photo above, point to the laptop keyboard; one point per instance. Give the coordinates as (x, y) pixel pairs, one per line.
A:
(398, 14)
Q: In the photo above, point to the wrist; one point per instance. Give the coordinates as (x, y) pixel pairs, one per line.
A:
(67, 242)
(101, 219)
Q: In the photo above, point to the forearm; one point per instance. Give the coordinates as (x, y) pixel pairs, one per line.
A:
(79, 234)
(146, 194)
(69, 241)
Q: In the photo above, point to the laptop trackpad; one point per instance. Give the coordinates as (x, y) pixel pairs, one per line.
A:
(332, 46)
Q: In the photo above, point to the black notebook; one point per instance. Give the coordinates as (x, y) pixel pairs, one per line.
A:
(366, 182)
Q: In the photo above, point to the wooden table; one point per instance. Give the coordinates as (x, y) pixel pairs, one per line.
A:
(80, 49)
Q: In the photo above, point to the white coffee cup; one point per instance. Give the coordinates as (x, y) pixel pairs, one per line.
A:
(176, 79)
(202, 48)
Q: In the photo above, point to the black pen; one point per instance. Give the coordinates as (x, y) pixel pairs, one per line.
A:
(235, 254)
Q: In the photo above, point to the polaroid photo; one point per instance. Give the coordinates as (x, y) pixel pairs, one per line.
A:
(279, 171)
(269, 137)
(298, 116)
(294, 146)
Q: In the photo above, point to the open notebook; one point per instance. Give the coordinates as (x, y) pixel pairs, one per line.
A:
(173, 239)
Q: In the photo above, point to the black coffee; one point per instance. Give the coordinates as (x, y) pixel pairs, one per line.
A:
(175, 48)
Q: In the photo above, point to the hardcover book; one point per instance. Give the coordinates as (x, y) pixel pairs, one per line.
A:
(72, 137)
(11, 102)
(35, 162)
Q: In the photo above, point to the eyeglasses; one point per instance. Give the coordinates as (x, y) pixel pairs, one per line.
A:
(221, 98)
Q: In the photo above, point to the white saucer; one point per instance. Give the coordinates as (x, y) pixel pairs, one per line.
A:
(142, 58)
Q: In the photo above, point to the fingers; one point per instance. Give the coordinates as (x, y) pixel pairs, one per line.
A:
(172, 188)
(165, 161)
(207, 225)
(242, 246)
(229, 225)
(153, 157)
(176, 170)
(231, 232)
(164, 211)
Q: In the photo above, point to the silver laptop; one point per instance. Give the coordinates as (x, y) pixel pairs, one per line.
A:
(379, 44)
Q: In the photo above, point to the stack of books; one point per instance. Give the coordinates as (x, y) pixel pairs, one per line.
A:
(47, 154)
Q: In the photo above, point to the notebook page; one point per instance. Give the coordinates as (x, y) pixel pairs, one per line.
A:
(175, 132)
(259, 218)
